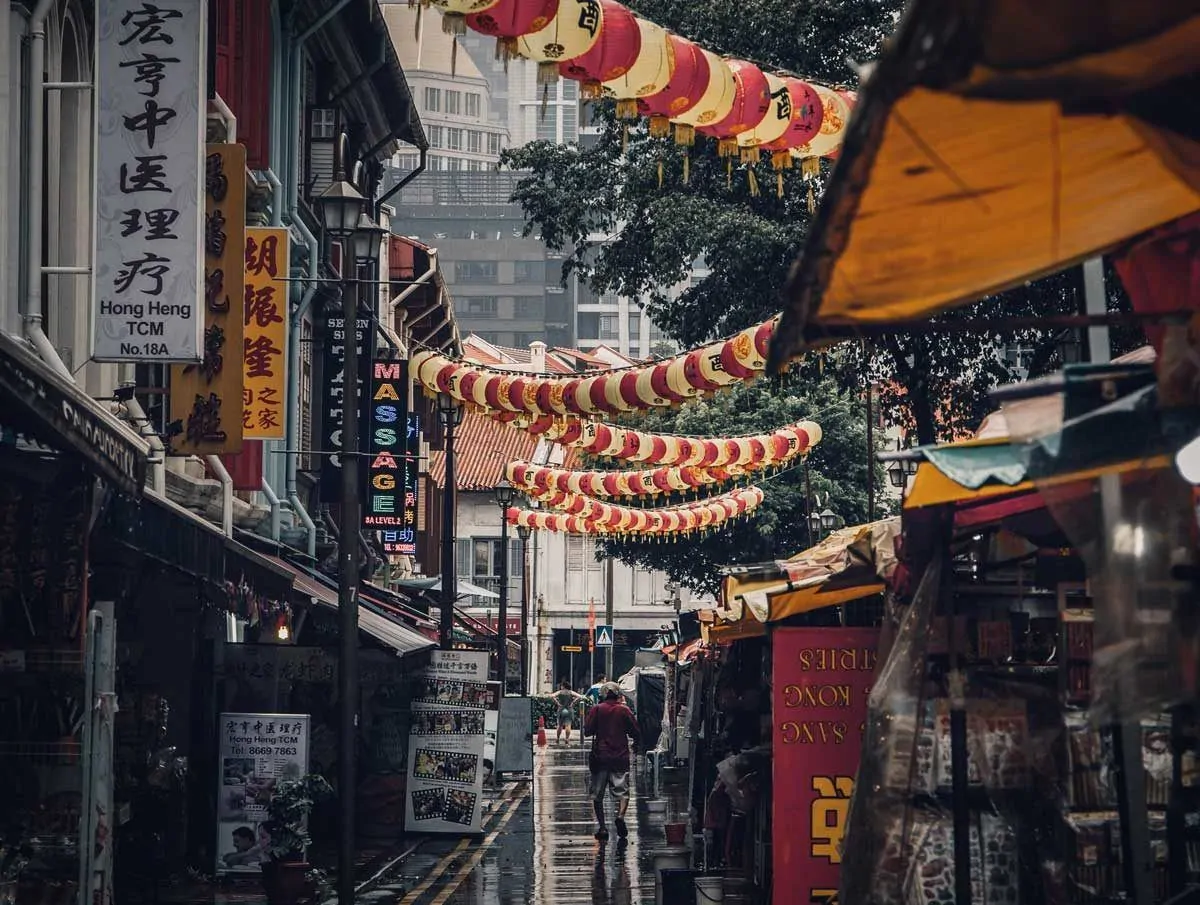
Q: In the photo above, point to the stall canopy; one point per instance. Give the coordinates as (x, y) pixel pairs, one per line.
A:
(850, 564)
(994, 142)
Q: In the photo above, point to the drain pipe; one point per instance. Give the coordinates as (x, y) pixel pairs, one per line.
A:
(227, 116)
(418, 282)
(293, 385)
(158, 458)
(417, 171)
(276, 506)
(31, 313)
(218, 468)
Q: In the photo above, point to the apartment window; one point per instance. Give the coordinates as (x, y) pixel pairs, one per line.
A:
(529, 272)
(493, 143)
(454, 164)
(433, 100)
(475, 141)
(454, 139)
(324, 123)
(635, 328)
(473, 105)
(437, 136)
(474, 271)
(482, 305)
(453, 102)
(475, 166)
(529, 307)
(588, 325)
(610, 326)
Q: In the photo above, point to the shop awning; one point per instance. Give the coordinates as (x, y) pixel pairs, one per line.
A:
(850, 564)
(384, 629)
(64, 416)
(995, 142)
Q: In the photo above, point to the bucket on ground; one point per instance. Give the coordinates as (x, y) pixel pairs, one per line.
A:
(710, 890)
(676, 833)
(676, 886)
(671, 861)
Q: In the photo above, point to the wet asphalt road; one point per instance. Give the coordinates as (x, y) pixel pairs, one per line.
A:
(538, 847)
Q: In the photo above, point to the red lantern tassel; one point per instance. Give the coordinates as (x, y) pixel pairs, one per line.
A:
(547, 73)
(750, 156)
(627, 108)
(591, 90)
(454, 23)
(660, 172)
(727, 147)
(660, 127)
(810, 167)
(685, 135)
(687, 171)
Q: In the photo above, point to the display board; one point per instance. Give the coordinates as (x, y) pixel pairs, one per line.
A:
(445, 751)
(258, 751)
(514, 749)
(821, 680)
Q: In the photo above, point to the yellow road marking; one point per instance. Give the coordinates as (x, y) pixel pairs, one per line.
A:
(473, 862)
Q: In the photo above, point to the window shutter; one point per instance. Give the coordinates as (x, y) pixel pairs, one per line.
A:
(593, 564)
(463, 560)
(575, 553)
(515, 565)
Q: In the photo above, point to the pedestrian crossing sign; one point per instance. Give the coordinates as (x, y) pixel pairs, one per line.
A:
(604, 636)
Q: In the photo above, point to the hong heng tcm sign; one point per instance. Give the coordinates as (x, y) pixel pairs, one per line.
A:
(265, 320)
(206, 398)
(392, 450)
(821, 680)
(150, 103)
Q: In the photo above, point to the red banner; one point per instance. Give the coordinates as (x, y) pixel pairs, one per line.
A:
(822, 677)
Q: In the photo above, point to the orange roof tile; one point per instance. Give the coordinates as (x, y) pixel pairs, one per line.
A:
(482, 449)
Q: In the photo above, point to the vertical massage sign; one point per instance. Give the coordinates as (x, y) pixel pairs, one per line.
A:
(822, 679)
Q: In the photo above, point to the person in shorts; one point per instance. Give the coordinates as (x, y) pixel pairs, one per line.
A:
(611, 725)
(566, 699)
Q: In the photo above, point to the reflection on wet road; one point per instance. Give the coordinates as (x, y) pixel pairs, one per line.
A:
(538, 848)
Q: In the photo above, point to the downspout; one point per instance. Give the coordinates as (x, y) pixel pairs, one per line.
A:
(227, 116)
(158, 460)
(417, 171)
(31, 314)
(276, 505)
(418, 282)
(218, 468)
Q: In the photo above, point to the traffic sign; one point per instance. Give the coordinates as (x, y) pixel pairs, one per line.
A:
(604, 636)
(571, 649)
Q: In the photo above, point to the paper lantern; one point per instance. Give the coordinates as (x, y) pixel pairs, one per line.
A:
(454, 13)
(751, 101)
(573, 31)
(835, 114)
(806, 114)
(613, 54)
(684, 89)
(508, 20)
(773, 125)
(648, 75)
(714, 105)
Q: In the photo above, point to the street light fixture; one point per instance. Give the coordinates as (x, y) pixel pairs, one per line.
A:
(341, 206)
(814, 524)
(829, 519)
(896, 473)
(450, 415)
(523, 532)
(505, 492)
(368, 240)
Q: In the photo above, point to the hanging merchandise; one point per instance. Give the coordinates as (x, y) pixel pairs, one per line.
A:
(751, 102)
(509, 20)
(707, 462)
(455, 12)
(683, 91)
(572, 32)
(649, 74)
(641, 388)
(613, 54)
(594, 517)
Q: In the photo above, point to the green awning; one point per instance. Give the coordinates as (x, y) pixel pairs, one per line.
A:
(974, 466)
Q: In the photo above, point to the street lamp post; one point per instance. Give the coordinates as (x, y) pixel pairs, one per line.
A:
(342, 209)
(504, 497)
(523, 534)
(450, 416)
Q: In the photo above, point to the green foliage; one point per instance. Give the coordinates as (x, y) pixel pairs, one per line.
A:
(837, 467)
(287, 814)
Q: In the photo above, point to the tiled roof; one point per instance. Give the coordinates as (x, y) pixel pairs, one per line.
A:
(482, 352)
(482, 448)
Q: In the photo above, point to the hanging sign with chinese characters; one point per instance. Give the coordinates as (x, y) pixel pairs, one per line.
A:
(206, 398)
(147, 277)
(822, 678)
(333, 396)
(265, 319)
(392, 449)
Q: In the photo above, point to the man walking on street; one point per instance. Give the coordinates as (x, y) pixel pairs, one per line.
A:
(610, 724)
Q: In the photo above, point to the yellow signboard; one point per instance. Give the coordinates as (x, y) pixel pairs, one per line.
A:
(265, 317)
(206, 398)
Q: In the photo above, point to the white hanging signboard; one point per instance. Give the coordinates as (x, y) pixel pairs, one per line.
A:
(445, 745)
(148, 273)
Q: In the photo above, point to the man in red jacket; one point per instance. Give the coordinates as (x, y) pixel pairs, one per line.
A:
(610, 724)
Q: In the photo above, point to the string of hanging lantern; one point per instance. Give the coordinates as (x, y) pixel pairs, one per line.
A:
(596, 517)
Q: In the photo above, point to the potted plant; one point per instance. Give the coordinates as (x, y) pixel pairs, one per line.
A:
(285, 873)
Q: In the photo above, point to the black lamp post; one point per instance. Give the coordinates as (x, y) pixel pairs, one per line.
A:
(504, 497)
(342, 206)
(450, 415)
(896, 474)
(523, 532)
(814, 527)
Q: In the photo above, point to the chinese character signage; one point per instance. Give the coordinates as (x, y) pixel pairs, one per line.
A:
(264, 317)
(150, 103)
(333, 395)
(445, 746)
(392, 446)
(258, 751)
(206, 398)
(821, 680)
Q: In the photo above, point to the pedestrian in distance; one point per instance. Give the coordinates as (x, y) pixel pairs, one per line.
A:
(611, 726)
(566, 698)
